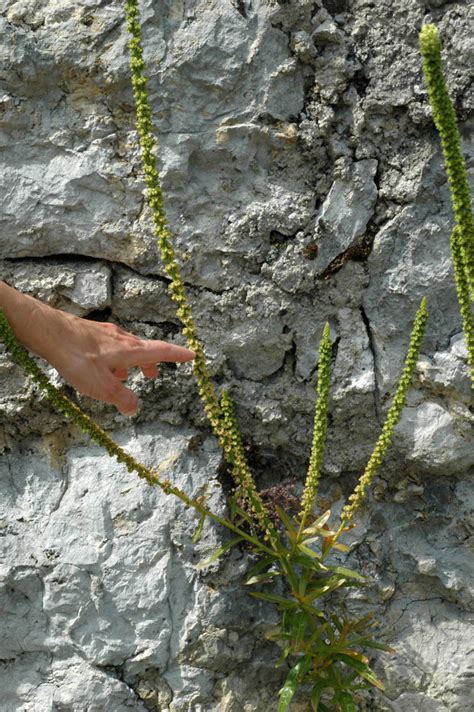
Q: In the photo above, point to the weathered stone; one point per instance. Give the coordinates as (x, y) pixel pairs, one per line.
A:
(345, 213)
(294, 140)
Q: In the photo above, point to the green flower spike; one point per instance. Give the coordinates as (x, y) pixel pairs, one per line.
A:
(445, 120)
(463, 298)
(234, 452)
(320, 427)
(393, 415)
(228, 440)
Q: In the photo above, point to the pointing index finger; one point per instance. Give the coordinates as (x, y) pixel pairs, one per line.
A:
(154, 351)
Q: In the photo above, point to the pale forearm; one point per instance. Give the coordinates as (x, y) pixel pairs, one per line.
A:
(20, 310)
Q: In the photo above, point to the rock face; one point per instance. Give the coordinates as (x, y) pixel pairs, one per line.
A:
(304, 184)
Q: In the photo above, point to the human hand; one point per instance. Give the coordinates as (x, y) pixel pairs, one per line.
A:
(94, 357)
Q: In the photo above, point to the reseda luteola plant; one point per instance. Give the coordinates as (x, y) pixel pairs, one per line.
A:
(462, 237)
(322, 645)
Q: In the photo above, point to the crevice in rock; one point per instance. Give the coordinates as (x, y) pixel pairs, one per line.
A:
(99, 314)
(117, 672)
(373, 351)
(279, 238)
(335, 6)
(240, 7)
(72, 258)
(357, 252)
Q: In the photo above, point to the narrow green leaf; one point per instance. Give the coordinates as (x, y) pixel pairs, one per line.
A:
(298, 628)
(260, 566)
(199, 528)
(369, 643)
(310, 563)
(347, 573)
(273, 598)
(288, 523)
(262, 578)
(345, 701)
(218, 552)
(312, 611)
(309, 552)
(362, 668)
(320, 533)
(316, 693)
(291, 683)
(319, 522)
(362, 623)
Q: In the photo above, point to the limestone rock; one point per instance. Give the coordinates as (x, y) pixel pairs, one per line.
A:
(304, 184)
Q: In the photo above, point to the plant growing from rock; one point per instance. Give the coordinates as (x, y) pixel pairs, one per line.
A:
(462, 237)
(323, 647)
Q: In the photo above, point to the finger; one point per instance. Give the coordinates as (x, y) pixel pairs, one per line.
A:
(144, 352)
(120, 373)
(150, 370)
(113, 392)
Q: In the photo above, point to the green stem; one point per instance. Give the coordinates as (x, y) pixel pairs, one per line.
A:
(393, 415)
(319, 429)
(445, 120)
(227, 440)
(462, 289)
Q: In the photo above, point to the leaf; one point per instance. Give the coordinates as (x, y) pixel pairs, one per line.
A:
(339, 625)
(356, 655)
(326, 533)
(316, 693)
(198, 532)
(312, 611)
(347, 573)
(289, 525)
(323, 589)
(363, 669)
(309, 552)
(319, 522)
(291, 683)
(362, 623)
(218, 552)
(310, 563)
(262, 578)
(273, 598)
(369, 643)
(259, 566)
(297, 630)
(346, 702)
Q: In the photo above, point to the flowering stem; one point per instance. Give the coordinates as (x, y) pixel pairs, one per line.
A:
(445, 120)
(393, 415)
(463, 297)
(320, 428)
(228, 436)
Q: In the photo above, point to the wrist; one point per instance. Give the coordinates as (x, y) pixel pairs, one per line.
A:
(25, 315)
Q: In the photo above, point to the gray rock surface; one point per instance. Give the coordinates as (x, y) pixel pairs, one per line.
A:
(304, 183)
